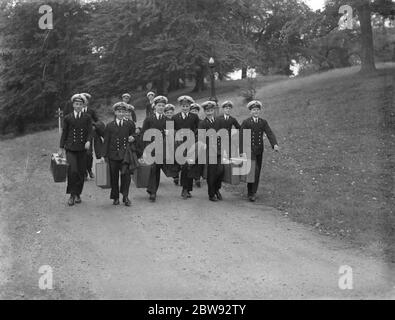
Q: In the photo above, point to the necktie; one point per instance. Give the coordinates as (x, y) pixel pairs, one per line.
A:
(79, 115)
(226, 118)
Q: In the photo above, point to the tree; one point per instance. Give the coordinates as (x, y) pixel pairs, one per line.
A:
(364, 10)
(41, 67)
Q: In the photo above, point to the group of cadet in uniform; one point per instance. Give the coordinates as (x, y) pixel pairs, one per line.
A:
(82, 129)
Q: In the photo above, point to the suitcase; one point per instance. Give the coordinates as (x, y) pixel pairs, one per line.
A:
(103, 175)
(250, 177)
(58, 168)
(195, 171)
(171, 170)
(229, 177)
(142, 174)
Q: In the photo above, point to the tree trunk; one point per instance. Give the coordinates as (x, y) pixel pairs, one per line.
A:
(367, 48)
(244, 72)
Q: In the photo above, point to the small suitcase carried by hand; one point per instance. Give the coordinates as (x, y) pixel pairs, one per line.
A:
(59, 168)
(142, 174)
(229, 177)
(171, 170)
(250, 176)
(103, 175)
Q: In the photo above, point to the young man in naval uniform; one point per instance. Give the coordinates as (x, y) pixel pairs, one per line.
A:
(117, 135)
(188, 121)
(215, 169)
(226, 121)
(157, 121)
(75, 142)
(258, 127)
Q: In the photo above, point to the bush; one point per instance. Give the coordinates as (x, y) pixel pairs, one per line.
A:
(249, 92)
(308, 69)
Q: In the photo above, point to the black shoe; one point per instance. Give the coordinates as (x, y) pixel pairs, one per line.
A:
(175, 180)
(78, 199)
(212, 198)
(184, 194)
(198, 184)
(91, 175)
(219, 196)
(189, 194)
(252, 198)
(127, 201)
(152, 197)
(71, 201)
(116, 202)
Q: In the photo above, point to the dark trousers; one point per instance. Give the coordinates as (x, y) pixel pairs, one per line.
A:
(115, 169)
(89, 161)
(154, 178)
(98, 145)
(76, 171)
(89, 157)
(215, 176)
(253, 187)
(186, 182)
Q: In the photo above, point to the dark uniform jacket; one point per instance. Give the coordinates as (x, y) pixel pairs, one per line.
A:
(92, 113)
(76, 132)
(152, 122)
(190, 122)
(227, 124)
(207, 125)
(257, 131)
(116, 139)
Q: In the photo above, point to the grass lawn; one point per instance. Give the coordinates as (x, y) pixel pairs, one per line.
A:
(336, 168)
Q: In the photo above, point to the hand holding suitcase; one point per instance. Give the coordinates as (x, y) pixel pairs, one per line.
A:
(142, 174)
(59, 167)
(103, 175)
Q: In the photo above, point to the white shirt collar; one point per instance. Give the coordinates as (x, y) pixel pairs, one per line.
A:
(157, 115)
(256, 119)
(85, 109)
(76, 114)
(118, 121)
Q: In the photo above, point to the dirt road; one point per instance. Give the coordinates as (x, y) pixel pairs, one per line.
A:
(171, 249)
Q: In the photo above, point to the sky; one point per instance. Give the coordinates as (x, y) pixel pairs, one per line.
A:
(315, 4)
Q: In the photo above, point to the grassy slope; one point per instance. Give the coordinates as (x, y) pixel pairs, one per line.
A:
(336, 168)
(223, 88)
